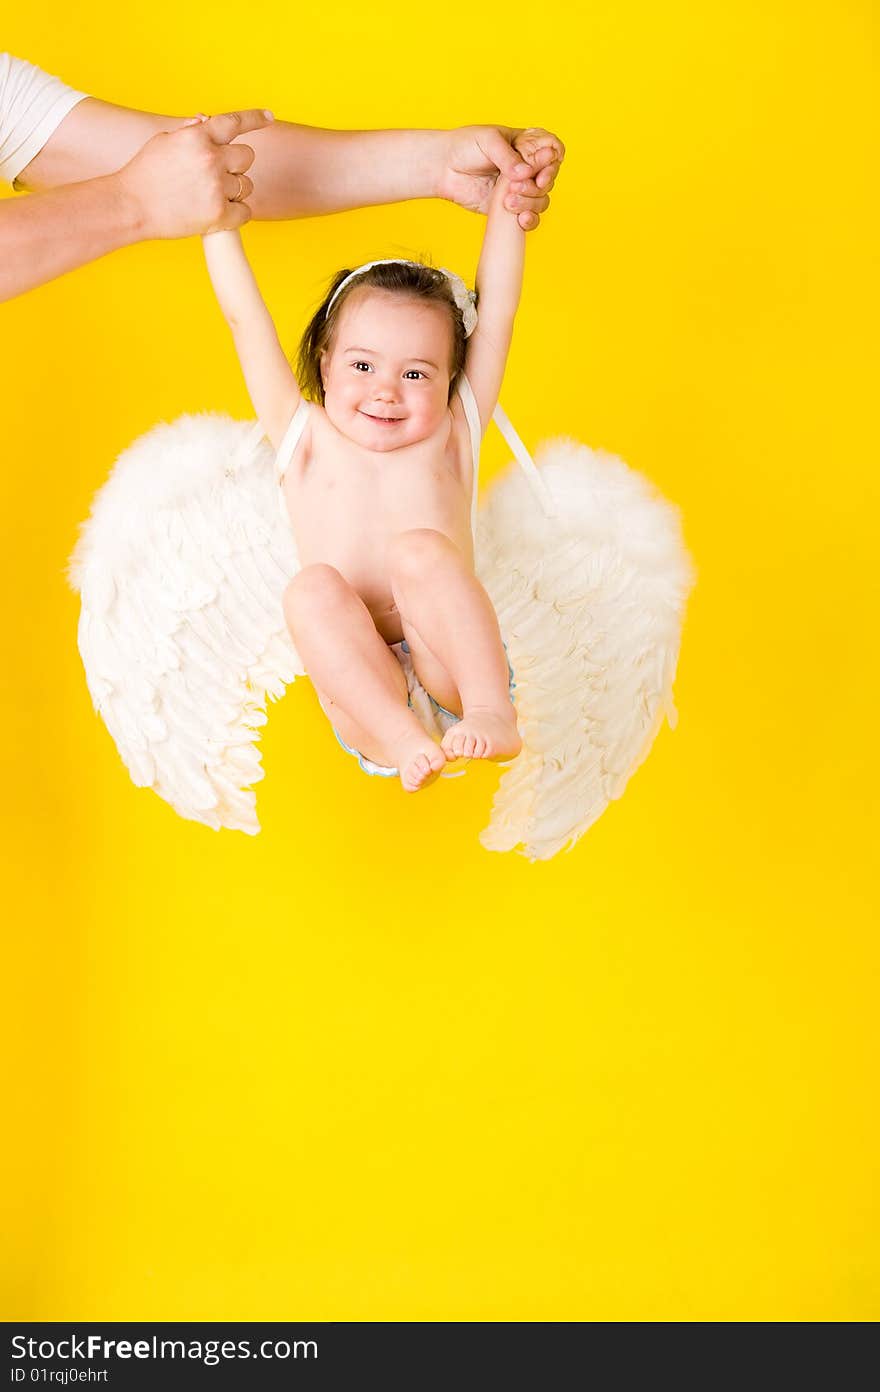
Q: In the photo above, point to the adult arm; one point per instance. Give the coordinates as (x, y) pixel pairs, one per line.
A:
(303, 171)
(41, 238)
(178, 185)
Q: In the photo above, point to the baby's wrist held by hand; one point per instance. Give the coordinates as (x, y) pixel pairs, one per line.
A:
(509, 195)
(504, 188)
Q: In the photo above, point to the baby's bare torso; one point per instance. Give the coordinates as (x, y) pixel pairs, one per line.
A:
(347, 503)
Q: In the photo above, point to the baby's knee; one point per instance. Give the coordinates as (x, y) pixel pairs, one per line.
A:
(312, 592)
(414, 552)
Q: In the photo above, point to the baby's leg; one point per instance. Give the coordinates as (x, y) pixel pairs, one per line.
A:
(452, 630)
(358, 679)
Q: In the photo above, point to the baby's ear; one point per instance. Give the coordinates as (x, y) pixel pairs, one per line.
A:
(322, 364)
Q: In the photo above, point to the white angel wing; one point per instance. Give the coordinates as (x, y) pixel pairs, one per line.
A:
(181, 568)
(591, 605)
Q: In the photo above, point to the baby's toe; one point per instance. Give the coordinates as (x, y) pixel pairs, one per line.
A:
(425, 768)
(412, 775)
(422, 769)
(449, 743)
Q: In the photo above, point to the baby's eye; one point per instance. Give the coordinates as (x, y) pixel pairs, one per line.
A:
(359, 365)
(413, 372)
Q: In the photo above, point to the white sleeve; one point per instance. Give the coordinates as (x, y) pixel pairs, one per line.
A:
(32, 106)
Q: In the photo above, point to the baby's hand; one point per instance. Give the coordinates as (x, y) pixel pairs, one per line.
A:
(531, 180)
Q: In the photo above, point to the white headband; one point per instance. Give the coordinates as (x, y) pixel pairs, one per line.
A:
(463, 297)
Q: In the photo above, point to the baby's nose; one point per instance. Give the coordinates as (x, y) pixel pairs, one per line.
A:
(385, 391)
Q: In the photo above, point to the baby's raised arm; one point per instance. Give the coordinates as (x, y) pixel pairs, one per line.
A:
(499, 283)
(270, 380)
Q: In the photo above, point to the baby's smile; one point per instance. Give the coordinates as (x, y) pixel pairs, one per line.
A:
(383, 420)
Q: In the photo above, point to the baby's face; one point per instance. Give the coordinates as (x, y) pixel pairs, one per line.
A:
(386, 373)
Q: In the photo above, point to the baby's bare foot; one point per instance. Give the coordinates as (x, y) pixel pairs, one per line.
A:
(419, 760)
(483, 733)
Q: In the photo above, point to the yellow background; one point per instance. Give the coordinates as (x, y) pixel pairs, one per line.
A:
(357, 1067)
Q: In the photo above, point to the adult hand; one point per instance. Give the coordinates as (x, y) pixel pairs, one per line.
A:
(475, 155)
(192, 180)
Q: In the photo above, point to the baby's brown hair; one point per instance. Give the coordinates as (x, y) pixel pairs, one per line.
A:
(412, 278)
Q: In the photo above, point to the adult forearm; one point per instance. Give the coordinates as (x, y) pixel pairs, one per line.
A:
(303, 171)
(298, 171)
(43, 237)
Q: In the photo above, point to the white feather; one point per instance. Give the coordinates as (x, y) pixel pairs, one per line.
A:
(591, 604)
(181, 570)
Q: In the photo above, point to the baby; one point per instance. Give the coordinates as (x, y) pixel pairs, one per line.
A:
(377, 436)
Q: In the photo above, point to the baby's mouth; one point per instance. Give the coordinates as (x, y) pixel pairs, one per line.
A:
(383, 420)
